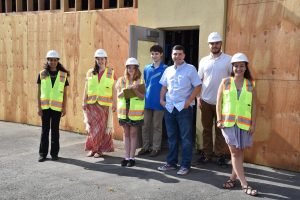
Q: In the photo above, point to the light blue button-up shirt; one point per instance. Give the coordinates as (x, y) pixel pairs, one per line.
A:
(180, 81)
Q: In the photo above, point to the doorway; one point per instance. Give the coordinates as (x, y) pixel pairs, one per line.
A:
(187, 38)
(190, 40)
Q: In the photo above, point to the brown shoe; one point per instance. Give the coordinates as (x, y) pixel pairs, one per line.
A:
(154, 153)
(90, 154)
(143, 152)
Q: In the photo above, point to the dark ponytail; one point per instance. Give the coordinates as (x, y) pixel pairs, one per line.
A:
(96, 69)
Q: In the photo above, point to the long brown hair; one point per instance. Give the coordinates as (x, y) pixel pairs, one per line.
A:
(137, 74)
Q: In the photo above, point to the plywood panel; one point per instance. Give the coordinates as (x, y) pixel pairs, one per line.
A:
(268, 32)
(25, 40)
(70, 60)
(277, 139)
(3, 67)
(44, 33)
(8, 73)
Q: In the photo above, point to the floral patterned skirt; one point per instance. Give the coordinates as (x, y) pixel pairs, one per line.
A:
(96, 121)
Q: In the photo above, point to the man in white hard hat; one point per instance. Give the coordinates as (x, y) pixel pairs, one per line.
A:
(212, 69)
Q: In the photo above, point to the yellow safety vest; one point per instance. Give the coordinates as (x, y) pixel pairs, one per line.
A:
(137, 105)
(52, 97)
(101, 91)
(234, 110)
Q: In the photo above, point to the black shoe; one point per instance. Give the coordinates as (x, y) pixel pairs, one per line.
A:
(41, 159)
(131, 163)
(124, 163)
(54, 158)
(203, 159)
(222, 161)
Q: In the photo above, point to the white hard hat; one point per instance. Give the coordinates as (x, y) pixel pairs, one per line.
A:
(239, 57)
(100, 53)
(131, 61)
(52, 54)
(214, 37)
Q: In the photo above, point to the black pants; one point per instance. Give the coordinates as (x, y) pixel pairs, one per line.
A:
(50, 117)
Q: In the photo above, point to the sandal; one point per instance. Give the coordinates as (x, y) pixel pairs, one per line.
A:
(98, 155)
(229, 184)
(250, 191)
(90, 154)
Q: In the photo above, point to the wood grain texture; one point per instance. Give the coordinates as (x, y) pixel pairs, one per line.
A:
(268, 33)
(25, 40)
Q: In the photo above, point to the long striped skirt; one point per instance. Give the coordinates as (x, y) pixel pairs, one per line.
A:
(96, 120)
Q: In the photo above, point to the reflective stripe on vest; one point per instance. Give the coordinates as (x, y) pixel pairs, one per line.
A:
(52, 97)
(101, 91)
(137, 105)
(234, 110)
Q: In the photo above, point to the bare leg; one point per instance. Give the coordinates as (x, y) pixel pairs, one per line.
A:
(126, 137)
(133, 140)
(237, 159)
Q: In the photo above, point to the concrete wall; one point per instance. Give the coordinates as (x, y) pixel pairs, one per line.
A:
(207, 16)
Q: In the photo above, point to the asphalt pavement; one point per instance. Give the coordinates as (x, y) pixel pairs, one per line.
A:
(75, 176)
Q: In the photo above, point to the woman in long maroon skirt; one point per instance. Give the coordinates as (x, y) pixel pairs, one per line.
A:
(99, 99)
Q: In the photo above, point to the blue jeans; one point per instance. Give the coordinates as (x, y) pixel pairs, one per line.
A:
(179, 129)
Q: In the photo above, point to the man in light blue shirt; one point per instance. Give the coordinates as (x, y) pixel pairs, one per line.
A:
(180, 85)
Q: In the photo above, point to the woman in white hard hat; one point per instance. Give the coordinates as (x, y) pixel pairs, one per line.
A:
(236, 115)
(131, 103)
(52, 101)
(98, 102)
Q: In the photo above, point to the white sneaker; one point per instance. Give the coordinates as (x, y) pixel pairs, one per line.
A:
(183, 171)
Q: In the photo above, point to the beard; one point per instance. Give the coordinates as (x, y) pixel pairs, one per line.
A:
(216, 50)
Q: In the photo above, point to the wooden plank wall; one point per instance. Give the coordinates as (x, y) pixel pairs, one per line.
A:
(25, 39)
(269, 33)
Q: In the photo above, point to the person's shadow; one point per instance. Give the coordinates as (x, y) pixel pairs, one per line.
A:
(270, 183)
(111, 165)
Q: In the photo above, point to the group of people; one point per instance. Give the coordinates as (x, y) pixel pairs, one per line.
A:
(223, 87)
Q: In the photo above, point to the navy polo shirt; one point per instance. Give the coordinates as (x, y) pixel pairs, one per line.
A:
(153, 87)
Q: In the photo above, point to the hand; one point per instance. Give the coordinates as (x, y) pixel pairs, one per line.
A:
(84, 106)
(199, 102)
(187, 104)
(113, 108)
(220, 125)
(40, 112)
(252, 129)
(134, 87)
(63, 112)
(163, 103)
